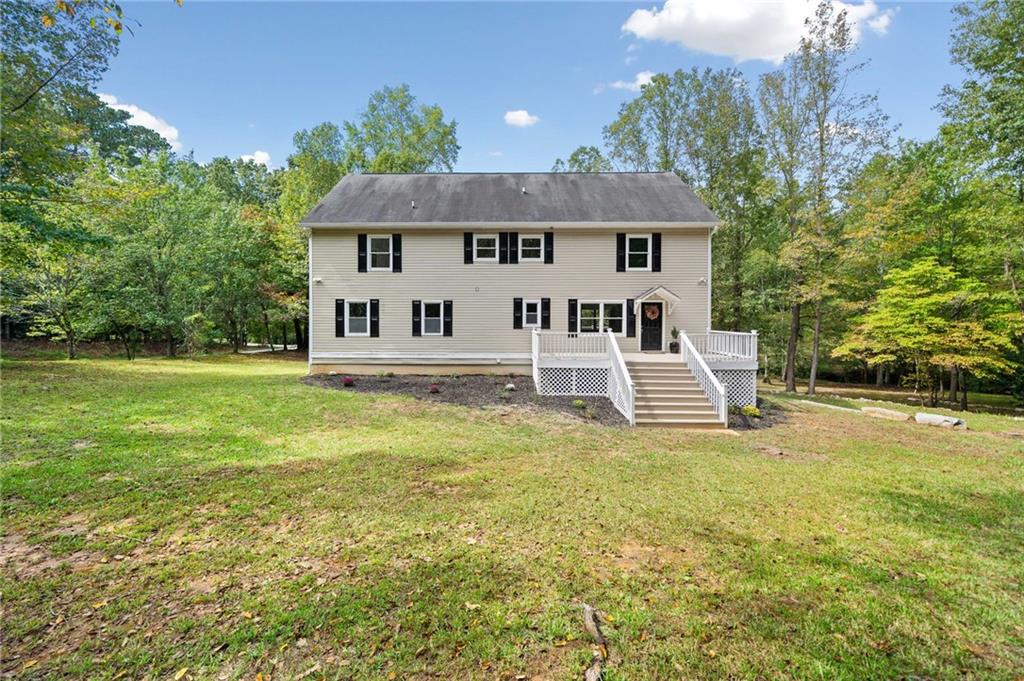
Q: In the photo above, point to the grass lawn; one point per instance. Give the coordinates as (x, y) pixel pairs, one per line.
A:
(218, 519)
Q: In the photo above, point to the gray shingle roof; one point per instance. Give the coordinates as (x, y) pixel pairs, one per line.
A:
(497, 197)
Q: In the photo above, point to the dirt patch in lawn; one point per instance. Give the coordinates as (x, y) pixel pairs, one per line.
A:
(477, 391)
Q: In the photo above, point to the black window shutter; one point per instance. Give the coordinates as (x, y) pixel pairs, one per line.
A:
(656, 252)
(620, 252)
(545, 313)
(339, 318)
(447, 317)
(467, 248)
(630, 319)
(517, 313)
(513, 247)
(416, 317)
(574, 326)
(549, 248)
(374, 318)
(396, 252)
(503, 248)
(361, 243)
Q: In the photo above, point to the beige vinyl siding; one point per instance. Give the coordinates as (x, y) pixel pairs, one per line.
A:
(482, 293)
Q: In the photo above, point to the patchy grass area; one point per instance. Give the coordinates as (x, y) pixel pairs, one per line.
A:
(222, 518)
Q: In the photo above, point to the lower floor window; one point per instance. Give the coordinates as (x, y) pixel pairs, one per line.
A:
(433, 321)
(596, 317)
(531, 313)
(357, 318)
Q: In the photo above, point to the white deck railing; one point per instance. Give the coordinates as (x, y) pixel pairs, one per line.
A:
(712, 387)
(726, 344)
(558, 345)
(621, 390)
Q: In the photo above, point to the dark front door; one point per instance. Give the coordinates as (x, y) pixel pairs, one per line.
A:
(650, 326)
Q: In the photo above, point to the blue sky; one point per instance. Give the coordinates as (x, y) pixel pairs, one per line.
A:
(234, 78)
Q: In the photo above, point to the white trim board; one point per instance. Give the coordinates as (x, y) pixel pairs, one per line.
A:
(423, 357)
(544, 226)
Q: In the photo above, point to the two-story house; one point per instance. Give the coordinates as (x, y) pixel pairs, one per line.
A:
(576, 279)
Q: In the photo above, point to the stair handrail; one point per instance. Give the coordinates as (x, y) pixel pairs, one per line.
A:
(619, 378)
(712, 387)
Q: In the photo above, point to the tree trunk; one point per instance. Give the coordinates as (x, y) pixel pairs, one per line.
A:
(879, 376)
(300, 340)
(815, 344)
(170, 344)
(954, 383)
(284, 334)
(963, 393)
(72, 346)
(266, 326)
(794, 333)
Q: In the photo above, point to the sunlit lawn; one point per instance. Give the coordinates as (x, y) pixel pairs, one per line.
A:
(222, 518)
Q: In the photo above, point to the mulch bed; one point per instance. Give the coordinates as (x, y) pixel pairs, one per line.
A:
(771, 415)
(476, 391)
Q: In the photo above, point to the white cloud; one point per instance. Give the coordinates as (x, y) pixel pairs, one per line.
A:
(521, 118)
(641, 79)
(142, 117)
(744, 30)
(496, 154)
(258, 156)
(880, 24)
(630, 58)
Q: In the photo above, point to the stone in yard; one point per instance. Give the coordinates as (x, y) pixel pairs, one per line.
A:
(940, 420)
(510, 386)
(880, 413)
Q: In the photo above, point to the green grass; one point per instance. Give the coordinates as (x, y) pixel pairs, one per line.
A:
(220, 516)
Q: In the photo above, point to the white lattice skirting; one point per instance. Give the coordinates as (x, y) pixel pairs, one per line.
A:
(740, 385)
(583, 381)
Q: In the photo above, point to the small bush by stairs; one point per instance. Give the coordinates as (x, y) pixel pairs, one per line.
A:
(668, 396)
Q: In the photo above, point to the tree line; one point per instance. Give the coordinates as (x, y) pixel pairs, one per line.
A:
(108, 235)
(856, 254)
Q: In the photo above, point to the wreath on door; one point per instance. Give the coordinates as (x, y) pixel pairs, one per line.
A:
(652, 312)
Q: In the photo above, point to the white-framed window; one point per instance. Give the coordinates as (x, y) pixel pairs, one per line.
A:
(638, 252)
(357, 317)
(485, 248)
(379, 252)
(531, 247)
(596, 316)
(531, 313)
(432, 315)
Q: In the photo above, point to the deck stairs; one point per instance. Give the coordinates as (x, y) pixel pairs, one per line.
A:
(668, 396)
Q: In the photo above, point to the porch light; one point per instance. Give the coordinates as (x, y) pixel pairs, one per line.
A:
(703, 281)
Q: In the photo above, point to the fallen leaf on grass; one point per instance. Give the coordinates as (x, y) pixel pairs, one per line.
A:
(181, 674)
(472, 606)
(247, 615)
(99, 604)
(309, 672)
(30, 664)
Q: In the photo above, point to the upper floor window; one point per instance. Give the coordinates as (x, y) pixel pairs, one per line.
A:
(531, 247)
(638, 252)
(596, 317)
(380, 252)
(485, 247)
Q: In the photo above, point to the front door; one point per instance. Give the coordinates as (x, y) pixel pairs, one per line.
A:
(650, 326)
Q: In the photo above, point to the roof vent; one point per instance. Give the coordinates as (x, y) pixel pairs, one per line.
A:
(414, 205)
(524, 190)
